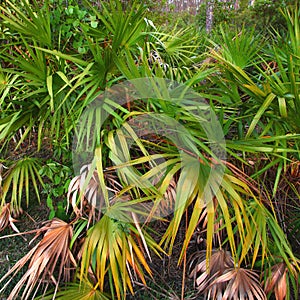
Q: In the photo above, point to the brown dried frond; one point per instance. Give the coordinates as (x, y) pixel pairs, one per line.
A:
(203, 274)
(221, 280)
(236, 283)
(50, 254)
(6, 218)
(84, 192)
(277, 281)
(166, 206)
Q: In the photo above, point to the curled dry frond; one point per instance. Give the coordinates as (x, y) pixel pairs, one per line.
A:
(6, 218)
(221, 280)
(164, 206)
(84, 189)
(202, 273)
(51, 254)
(277, 280)
(84, 192)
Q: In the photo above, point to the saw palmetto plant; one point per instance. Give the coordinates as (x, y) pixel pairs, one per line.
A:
(160, 136)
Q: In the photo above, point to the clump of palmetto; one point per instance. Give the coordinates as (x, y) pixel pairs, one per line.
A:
(47, 90)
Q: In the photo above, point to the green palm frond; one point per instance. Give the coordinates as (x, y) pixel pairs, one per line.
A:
(21, 175)
(77, 291)
(239, 48)
(28, 20)
(126, 28)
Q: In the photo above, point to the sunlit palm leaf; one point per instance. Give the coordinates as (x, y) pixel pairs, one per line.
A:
(111, 249)
(28, 20)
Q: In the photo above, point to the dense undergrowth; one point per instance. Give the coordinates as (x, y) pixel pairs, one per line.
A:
(183, 172)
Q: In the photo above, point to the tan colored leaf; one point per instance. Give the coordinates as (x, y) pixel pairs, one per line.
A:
(219, 262)
(240, 284)
(277, 280)
(51, 254)
(84, 192)
(6, 218)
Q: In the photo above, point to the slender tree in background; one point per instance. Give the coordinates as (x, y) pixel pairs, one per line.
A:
(209, 15)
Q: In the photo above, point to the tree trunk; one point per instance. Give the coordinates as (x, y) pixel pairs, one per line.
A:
(209, 15)
(236, 5)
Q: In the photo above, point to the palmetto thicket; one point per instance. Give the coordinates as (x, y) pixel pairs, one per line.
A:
(242, 206)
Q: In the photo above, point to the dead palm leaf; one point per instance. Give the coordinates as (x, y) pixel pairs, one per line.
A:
(85, 194)
(277, 281)
(164, 206)
(168, 203)
(221, 280)
(50, 254)
(6, 218)
(204, 273)
(236, 283)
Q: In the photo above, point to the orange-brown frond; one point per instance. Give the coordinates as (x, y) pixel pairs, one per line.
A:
(51, 254)
(6, 218)
(240, 284)
(277, 281)
(220, 261)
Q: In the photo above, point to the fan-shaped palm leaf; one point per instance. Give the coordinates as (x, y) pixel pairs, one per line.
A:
(203, 274)
(17, 178)
(50, 254)
(221, 280)
(238, 283)
(111, 249)
(77, 291)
